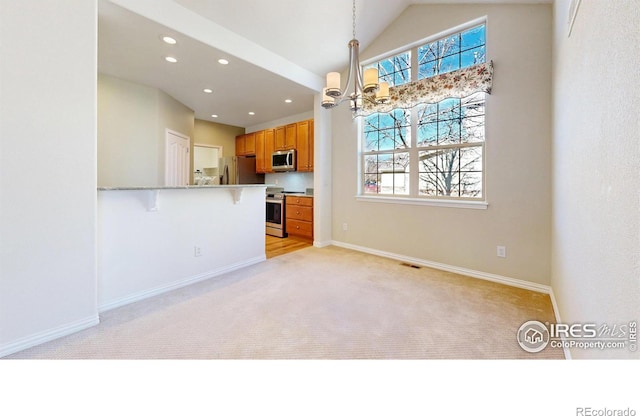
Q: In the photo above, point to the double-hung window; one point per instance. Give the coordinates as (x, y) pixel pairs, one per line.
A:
(433, 150)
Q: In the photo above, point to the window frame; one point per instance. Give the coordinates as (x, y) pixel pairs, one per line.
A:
(413, 197)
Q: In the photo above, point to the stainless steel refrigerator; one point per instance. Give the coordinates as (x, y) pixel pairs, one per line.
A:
(239, 170)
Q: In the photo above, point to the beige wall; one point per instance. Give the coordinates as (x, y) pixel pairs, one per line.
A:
(173, 115)
(518, 155)
(127, 133)
(596, 203)
(216, 134)
(132, 121)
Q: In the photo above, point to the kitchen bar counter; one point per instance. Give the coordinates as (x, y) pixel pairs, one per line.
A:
(155, 239)
(153, 192)
(153, 188)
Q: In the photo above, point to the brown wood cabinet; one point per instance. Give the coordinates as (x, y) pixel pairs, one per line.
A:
(240, 145)
(285, 137)
(261, 166)
(304, 142)
(250, 144)
(279, 139)
(290, 136)
(269, 148)
(246, 144)
(299, 216)
(263, 143)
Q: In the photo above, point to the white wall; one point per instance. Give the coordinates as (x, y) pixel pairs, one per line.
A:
(596, 166)
(290, 181)
(143, 253)
(518, 155)
(47, 171)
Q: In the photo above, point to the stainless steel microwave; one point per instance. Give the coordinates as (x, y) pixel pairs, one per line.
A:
(283, 160)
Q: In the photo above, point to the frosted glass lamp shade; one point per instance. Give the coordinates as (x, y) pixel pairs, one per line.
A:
(333, 84)
(382, 96)
(370, 80)
(327, 101)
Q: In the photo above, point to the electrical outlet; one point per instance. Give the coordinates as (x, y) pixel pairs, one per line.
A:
(501, 251)
(345, 226)
(197, 251)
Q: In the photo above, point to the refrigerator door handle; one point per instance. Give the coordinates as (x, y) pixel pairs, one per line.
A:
(225, 175)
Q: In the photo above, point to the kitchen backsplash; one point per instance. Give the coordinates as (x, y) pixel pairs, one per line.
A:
(291, 181)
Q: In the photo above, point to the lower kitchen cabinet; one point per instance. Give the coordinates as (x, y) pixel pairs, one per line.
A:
(299, 216)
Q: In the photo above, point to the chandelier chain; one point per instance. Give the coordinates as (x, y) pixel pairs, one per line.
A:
(354, 19)
(358, 90)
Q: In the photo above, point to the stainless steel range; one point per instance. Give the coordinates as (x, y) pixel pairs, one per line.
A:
(275, 225)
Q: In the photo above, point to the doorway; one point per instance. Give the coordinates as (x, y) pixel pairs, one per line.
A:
(205, 164)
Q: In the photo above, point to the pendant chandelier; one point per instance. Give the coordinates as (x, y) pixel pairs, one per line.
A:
(358, 88)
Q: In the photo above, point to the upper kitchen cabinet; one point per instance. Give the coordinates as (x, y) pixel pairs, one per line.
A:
(290, 136)
(240, 145)
(269, 148)
(279, 140)
(304, 143)
(285, 137)
(261, 166)
(246, 145)
(250, 144)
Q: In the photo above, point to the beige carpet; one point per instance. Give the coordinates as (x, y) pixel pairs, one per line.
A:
(328, 303)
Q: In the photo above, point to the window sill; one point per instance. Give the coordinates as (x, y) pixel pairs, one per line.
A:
(428, 202)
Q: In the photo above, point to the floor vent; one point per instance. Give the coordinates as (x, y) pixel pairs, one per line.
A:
(413, 266)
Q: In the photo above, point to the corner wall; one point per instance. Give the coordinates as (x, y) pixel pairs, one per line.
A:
(518, 155)
(596, 166)
(132, 119)
(48, 191)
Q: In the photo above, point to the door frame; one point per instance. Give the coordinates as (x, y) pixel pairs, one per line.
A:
(166, 154)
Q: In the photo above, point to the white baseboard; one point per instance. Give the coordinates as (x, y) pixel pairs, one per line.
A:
(523, 284)
(554, 303)
(135, 297)
(49, 335)
(321, 244)
(509, 281)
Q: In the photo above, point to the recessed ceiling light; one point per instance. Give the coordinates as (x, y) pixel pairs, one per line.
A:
(208, 90)
(214, 115)
(251, 113)
(170, 59)
(169, 40)
(288, 101)
(223, 62)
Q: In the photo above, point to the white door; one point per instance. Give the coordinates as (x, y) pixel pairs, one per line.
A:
(177, 165)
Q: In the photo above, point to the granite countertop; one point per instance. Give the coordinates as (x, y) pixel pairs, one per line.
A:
(155, 188)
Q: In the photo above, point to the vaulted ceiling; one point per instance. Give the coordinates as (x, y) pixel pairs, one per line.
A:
(277, 50)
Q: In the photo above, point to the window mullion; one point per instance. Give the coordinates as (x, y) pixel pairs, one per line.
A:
(414, 167)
